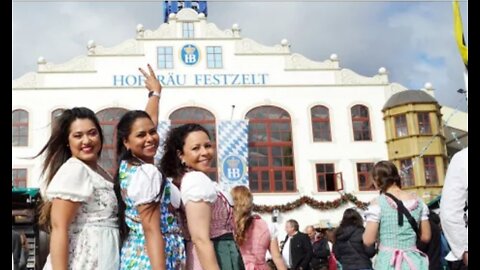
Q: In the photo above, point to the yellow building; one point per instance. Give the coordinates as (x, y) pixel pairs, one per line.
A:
(416, 141)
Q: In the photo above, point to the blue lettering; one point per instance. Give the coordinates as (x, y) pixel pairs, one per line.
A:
(263, 77)
(216, 79)
(245, 78)
(117, 79)
(235, 79)
(131, 80)
(198, 78)
(179, 81)
(170, 80)
(206, 77)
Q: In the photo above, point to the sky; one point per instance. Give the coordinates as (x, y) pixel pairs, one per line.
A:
(413, 40)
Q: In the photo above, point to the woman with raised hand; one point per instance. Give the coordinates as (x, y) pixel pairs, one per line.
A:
(151, 237)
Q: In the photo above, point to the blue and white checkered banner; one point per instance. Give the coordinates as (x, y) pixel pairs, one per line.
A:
(232, 145)
(162, 129)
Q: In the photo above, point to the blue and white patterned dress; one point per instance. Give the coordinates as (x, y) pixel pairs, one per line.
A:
(140, 185)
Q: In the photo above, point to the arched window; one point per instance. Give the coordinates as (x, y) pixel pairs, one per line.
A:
(270, 150)
(19, 128)
(361, 123)
(321, 124)
(56, 113)
(108, 120)
(199, 116)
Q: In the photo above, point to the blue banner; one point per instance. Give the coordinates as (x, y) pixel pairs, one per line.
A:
(233, 153)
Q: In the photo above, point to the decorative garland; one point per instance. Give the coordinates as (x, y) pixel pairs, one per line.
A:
(320, 205)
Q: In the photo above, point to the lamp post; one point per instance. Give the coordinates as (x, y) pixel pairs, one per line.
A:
(275, 214)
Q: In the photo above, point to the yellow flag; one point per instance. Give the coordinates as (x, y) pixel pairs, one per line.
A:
(457, 21)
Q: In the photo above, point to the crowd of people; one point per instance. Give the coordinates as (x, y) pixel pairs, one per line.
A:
(172, 216)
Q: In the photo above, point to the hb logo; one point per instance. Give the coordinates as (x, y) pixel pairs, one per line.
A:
(189, 54)
(233, 168)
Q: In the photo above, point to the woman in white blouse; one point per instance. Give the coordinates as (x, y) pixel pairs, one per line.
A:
(80, 208)
(208, 210)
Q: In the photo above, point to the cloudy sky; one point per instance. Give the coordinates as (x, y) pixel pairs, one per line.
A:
(413, 39)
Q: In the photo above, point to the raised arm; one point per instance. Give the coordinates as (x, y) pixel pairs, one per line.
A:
(155, 89)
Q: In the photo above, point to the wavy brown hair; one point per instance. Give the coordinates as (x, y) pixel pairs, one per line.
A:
(58, 152)
(242, 211)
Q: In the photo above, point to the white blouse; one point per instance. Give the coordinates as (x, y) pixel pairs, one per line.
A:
(197, 186)
(373, 213)
(145, 184)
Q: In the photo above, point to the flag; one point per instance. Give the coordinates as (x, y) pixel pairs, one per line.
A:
(233, 153)
(458, 28)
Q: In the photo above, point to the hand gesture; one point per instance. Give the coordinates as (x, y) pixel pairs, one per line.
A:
(151, 81)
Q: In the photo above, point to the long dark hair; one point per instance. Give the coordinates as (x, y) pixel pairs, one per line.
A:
(385, 174)
(58, 152)
(124, 128)
(350, 218)
(170, 163)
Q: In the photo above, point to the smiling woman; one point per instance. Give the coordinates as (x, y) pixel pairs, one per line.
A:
(80, 208)
(207, 211)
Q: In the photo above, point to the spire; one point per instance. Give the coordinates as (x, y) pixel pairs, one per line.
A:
(176, 6)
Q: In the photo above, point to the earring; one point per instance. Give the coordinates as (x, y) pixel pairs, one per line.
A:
(184, 164)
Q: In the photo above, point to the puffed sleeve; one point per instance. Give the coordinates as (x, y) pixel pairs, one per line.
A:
(197, 186)
(273, 231)
(145, 185)
(425, 211)
(373, 212)
(72, 182)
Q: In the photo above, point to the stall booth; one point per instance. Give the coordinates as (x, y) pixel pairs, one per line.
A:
(25, 204)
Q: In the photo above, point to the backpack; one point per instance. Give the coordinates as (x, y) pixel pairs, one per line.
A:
(333, 263)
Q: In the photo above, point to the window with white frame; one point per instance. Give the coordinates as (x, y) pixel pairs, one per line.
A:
(188, 30)
(164, 57)
(214, 57)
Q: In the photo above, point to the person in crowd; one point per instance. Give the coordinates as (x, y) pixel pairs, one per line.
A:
(22, 265)
(397, 244)
(80, 207)
(433, 249)
(454, 209)
(139, 182)
(311, 232)
(16, 248)
(297, 250)
(253, 235)
(207, 210)
(151, 237)
(320, 249)
(349, 248)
